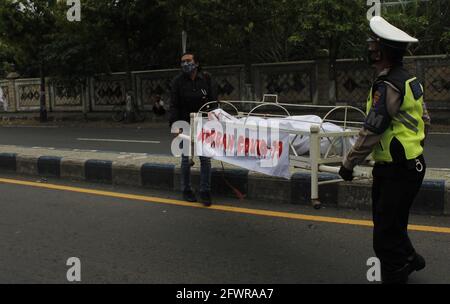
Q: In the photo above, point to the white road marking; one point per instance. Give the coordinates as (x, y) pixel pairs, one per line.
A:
(439, 169)
(120, 140)
(123, 156)
(31, 126)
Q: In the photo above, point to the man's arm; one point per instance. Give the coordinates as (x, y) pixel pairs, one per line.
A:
(214, 90)
(174, 110)
(212, 86)
(386, 104)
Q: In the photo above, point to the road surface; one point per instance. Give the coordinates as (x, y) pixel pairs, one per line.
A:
(155, 140)
(125, 235)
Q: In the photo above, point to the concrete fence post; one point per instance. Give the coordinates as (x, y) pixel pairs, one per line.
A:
(12, 100)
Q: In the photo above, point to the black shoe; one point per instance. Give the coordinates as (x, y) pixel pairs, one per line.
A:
(189, 196)
(417, 263)
(206, 199)
(399, 276)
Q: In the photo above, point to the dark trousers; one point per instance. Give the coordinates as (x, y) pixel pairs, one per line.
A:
(395, 187)
(205, 174)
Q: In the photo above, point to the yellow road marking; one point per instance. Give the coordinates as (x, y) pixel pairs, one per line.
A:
(278, 214)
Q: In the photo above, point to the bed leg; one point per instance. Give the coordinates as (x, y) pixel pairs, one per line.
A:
(193, 133)
(314, 154)
(316, 204)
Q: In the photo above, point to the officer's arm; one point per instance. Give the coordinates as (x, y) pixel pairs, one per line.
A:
(386, 104)
(427, 120)
(174, 109)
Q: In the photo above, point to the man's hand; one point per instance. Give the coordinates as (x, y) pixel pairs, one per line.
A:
(180, 131)
(346, 174)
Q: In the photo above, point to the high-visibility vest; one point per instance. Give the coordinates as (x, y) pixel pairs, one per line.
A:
(407, 126)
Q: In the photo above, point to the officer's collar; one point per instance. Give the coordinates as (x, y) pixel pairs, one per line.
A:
(385, 72)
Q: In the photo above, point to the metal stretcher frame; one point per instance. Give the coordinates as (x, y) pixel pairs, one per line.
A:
(314, 162)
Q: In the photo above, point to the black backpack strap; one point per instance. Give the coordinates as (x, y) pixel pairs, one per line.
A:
(397, 76)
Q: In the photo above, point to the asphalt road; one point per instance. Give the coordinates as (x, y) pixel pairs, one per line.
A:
(155, 140)
(123, 240)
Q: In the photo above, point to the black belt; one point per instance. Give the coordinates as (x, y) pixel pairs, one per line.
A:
(417, 163)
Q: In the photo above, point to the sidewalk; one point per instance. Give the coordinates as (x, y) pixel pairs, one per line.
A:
(163, 172)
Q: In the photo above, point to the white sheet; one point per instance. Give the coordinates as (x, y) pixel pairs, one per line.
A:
(297, 123)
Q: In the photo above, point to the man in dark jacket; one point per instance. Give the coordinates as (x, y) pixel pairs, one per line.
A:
(191, 89)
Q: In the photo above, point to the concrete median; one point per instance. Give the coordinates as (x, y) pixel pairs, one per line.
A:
(163, 173)
(447, 198)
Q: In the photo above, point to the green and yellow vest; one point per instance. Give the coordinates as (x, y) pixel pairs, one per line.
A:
(407, 126)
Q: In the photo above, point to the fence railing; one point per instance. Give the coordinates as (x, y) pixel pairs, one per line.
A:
(316, 82)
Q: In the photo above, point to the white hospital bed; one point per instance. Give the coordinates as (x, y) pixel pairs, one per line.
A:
(321, 157)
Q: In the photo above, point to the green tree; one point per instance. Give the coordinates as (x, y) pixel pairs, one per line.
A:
(126, 35)
(429, 21)
(27, 27)
(6, 58)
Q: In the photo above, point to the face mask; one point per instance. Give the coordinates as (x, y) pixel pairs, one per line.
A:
(188, 67)
(373, 54)
(373, 57)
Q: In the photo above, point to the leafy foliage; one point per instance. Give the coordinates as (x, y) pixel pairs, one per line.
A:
(124, 35)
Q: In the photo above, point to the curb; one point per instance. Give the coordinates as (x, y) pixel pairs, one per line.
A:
(8, 162)
(447, 199)
(49, 166)
(433, 198)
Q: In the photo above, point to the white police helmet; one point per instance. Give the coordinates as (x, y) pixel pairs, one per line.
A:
(386, 31)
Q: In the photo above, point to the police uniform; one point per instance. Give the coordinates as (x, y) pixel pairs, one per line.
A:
(394, 132)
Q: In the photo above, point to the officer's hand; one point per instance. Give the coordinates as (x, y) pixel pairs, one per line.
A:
(346, 174)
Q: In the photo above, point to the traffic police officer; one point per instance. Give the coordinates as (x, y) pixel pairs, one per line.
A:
(394, 132)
